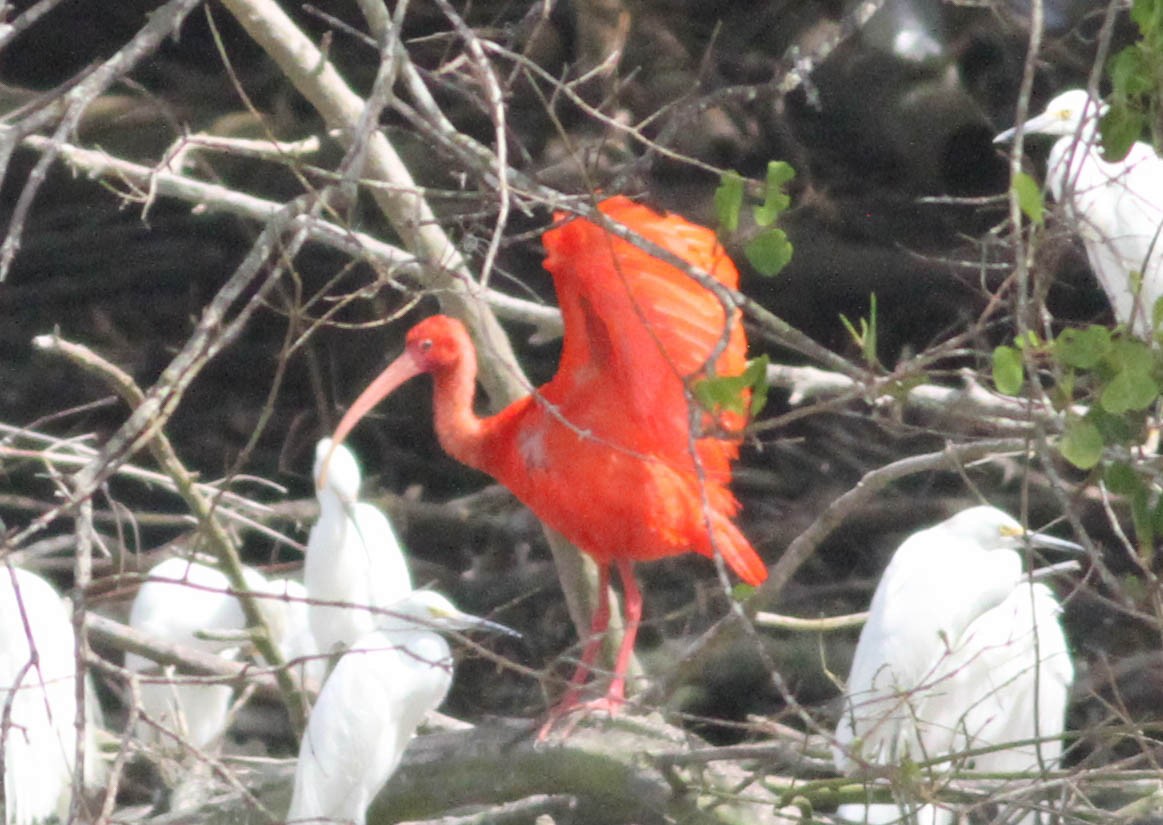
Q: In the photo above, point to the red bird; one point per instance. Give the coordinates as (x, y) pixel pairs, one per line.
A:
(605, 452)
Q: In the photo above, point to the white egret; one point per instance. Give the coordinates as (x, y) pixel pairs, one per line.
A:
(177, 600)
(1116, 208)
(353, 556)
(38, 701)
(295, 639)
(958, 652)
(371, 705)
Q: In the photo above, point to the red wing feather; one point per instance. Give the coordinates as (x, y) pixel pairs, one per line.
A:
(636, 327)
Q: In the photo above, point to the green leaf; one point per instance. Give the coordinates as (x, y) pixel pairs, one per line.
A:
(1008, 373)
(1121, 479)
(1062, 393)
(1029, 197)
(775, 200)
(729, 201)
(1157, 314)
(769, 252)
(1130, 389)
(1146, 15)
(1131, 355)
(870, 334)
(1129, 72)
(1028, 340)
(1141, 517)
(1131, 77)
(756, 376)
(727, 392)
(720, 392)
(1121, 127)
(1115, 429)
(1083, 348)
(866, 337)
(1081, 444)
(741, 592)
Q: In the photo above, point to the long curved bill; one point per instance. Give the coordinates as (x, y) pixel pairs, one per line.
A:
(398, 372)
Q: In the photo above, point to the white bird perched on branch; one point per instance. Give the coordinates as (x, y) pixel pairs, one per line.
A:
(38, 704)
(296, 641)
(960, 651)
(1117, 208)
(353, 556)
(178, 600)
(371, 705)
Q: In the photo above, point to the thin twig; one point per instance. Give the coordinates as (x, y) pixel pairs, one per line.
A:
(160, 24)
(211, 526)
(805, 544)
(446, 273)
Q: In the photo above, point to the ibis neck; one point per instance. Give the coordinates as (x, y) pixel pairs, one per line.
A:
(460, 430)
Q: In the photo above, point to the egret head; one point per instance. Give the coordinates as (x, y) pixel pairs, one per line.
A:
(336, 470)
(992, 529)
(986, 526)
(1063, 116)
(430, 610)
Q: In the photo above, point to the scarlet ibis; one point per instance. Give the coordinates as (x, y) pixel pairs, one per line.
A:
(371, 705)
(960, 652)
(353, 556)
(38, 697)
(608, 453)
(1116, 208)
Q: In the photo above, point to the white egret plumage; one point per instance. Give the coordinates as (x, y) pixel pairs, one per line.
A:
(353, 556)
(295, 639)
(1115, 207)
(960, 651)
(179, 599)
(370, 706)
(38, 701)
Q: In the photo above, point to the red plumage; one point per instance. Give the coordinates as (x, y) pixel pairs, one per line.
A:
(605, 452)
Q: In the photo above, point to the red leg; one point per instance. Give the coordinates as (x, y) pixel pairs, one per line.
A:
(632, 615)
(616, 695)
(599, 623)
(598, 626)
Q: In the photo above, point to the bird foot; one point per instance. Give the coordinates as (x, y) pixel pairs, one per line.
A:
(572, 706)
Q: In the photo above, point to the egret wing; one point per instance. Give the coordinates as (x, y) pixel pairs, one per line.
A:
(1009, 680)
(1138, 214)
(388, 576)
(39, 741)
(936, 585)
(1116, 211)
(364, 718)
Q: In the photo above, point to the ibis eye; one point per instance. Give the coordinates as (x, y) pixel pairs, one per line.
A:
(426, 345)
